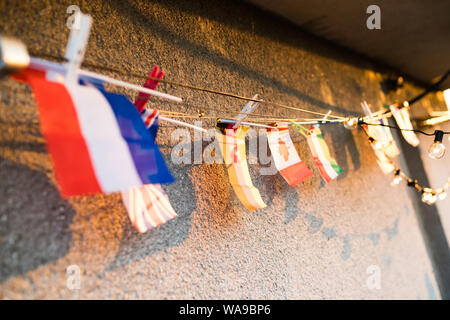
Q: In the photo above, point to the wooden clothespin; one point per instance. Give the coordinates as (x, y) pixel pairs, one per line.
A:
(249, 108)
(76, 46)
(438, 117)
(324, 119)
(366, 108)
(367, 112)
(446, 94)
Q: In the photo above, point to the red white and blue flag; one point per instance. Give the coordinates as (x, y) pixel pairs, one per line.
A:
(96, 139)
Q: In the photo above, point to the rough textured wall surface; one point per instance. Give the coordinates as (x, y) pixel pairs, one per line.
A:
(438, 171)
(313, 241)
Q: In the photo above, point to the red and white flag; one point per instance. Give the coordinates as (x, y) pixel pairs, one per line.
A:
(286, 157)
(148, 206)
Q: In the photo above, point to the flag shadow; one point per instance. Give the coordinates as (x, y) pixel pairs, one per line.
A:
(343, 143)
(135, 246)
(34, 220)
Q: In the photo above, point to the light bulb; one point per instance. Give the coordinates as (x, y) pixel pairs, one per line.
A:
(397, 178)
(426, 197)
(351, 123)
(433, 198)
(396, 181)
(442, 195)
(375, 144)
(378, 145)
(437, 149)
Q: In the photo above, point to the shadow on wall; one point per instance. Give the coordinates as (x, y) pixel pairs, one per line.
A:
(430, 222)
(261, 23)
(139, 17)
(135, 246)
(343, 141)
(34, 220)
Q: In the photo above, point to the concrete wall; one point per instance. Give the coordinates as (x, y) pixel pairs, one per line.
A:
(312, 241)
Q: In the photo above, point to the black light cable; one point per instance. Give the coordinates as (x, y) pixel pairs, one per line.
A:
(362, 122)
(431, 88)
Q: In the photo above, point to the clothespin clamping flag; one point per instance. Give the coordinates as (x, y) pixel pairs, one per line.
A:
(96, 139)
(382, 144)
(401, 116)
(148, 206)
(232, 146)
(249, 108)
(381, 133)
(231, 140)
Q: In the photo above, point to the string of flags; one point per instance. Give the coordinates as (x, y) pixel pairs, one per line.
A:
(99, 142)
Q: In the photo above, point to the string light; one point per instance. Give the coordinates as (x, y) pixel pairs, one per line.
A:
(426, 196)
(437, 148)
(397, 178)
(433, 198)
(362, 122)
(429, 196)
(351, 123)
(376, 144)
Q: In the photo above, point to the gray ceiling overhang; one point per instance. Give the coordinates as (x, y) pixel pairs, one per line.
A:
(414, 37)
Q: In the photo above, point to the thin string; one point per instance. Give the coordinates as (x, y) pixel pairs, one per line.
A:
(214, 109)
(431, 88)
(317, 121)
(296, 120)
(269, 119)
(174, 83)
(188, 86)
